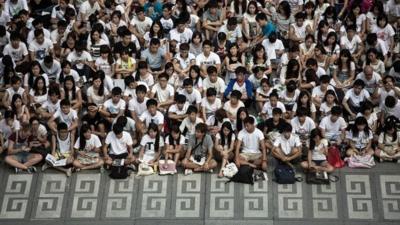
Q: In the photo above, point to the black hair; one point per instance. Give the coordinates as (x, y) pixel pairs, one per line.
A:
(211, 92)
(387, 127)
(300, 105)
(287, 127)
(14, 98)
(31, 76)
(212, 69)
(141, 89)
(62, 126)
(35, 86)
(99, 75)
(249, 120)
(117, 128)
(239, 125)
(180, 99)
(359, 83)
(195, 80)
(359, 121)
(153, 126)
(314, 132)
(201, 127)
(345, 53)
(65, 102)
(336, 110)
(174, 129)
(236, 94)
(228, 140)
(73, 90)
(302, 111)
(276, 111)
(390, 101)
(116, 91)
(192, 109)
(82, 140)
(151, 102)
(160, 33)
(187, 82)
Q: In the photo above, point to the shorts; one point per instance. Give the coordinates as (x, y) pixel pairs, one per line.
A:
(120, 156)
(22, 157)
(251, 156)
(319, 162)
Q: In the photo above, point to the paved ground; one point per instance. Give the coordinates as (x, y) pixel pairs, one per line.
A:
(360, 197)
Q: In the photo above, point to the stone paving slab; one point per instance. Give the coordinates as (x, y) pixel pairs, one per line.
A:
(359, 197)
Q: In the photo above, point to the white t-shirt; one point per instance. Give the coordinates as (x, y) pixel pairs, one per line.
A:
(142, 26)
(211, 108)
(186, 123)
(16, 54)
(174, 109)
(332, 129)
(149, 146)
(350, 45)
(41, 50)
(163, 95)
(98, 100)
(147, 118)
(138, 108)
(66, 118)
(212, 59)
(361, 140)
(119, 146)
(356, 99)
(251, 141)
(192, 98)
(267, 108)
(271, 48)
(50, 106)
(317, 151)
(183, 37)
(91, 144)
(302, 130)
(219, 85)
(114, 108)
(233, 110)
(287, 145)
(384, 33)
(371, 84)
(181, 140)
(87, 9)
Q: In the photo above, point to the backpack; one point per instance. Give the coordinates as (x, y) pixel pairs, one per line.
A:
(284, 174)
(118, 169)
(244, 175)
(334, 158)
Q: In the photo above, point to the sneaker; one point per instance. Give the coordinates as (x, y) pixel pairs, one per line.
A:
(45, 166)
(69, 172)
(32, 169)
(211, 171)
(188, 172)
(17, 170)
(102, 169)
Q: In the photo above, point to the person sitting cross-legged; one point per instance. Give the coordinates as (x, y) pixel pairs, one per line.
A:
(287, 147)
(317, 154)
(199, 155)
(19, 155)
(250, 147)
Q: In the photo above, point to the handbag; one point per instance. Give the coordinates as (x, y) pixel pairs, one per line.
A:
(118, 170)
(285, 174)
(334, 158)
(244, 175)
(358, 161)
(145, 170)
(167, 168)
(230, 170)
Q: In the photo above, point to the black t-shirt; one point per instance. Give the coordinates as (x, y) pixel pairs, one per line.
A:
(131, 48)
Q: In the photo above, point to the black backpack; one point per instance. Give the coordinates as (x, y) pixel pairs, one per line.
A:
(284, 174)
(119, 172)
(244, 175)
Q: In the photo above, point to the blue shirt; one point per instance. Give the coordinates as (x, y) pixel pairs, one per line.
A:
(268, 29)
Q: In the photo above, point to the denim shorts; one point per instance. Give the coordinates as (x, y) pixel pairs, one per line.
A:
(22, 157)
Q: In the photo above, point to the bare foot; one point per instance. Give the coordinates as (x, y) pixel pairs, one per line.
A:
(221, 175)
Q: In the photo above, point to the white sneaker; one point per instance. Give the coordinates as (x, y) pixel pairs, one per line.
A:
(188, 172)
(69, 172)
